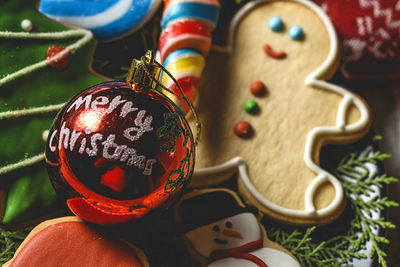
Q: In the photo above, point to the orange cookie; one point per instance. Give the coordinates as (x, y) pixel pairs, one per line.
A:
(68, 241)
(274, 140)
(219, 230)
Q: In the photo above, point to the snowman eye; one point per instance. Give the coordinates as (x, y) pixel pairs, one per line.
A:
(216, 228)
(228, 224)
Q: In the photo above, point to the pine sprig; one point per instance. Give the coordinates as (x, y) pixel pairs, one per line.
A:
(9, 242)
(358, 190)
(360, 185)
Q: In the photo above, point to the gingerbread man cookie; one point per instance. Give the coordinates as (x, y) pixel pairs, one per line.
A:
(219, 230)
(290, 47)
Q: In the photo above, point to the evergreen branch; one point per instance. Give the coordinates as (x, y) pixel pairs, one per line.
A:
(377, 138)
(10, 241)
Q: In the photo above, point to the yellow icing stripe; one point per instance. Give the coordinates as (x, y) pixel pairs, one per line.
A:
(192, 65)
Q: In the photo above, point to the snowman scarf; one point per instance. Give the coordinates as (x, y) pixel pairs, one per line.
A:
(241, 252)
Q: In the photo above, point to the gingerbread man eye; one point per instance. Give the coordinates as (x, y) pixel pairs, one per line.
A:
(276, 24)
(296, 33)
(216, 228)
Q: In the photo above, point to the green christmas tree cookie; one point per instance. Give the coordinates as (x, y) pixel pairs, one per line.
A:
(42, 65)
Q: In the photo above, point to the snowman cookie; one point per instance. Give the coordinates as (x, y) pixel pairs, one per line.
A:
(219, 230)
(68, 241)
(267, 110)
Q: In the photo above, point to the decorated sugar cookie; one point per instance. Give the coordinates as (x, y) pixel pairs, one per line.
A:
(275, 149)
(219, 230)
(43, 65)
(68, 241)
(108, 20)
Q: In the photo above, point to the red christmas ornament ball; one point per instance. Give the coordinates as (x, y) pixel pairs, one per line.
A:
(115, 154)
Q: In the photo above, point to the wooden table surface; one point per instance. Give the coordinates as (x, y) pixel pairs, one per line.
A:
(384, 100)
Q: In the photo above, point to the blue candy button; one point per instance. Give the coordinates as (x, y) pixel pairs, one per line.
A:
(296, 33)
(276, 24)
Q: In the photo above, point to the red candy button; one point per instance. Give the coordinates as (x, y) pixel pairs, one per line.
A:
(55, 59)
(243, 129)
(258, 88)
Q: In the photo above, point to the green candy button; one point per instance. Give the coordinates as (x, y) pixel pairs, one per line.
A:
(251, 106)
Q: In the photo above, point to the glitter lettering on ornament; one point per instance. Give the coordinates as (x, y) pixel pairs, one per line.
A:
(95, 144)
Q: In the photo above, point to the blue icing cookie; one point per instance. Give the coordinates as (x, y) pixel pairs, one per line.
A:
(107, 19)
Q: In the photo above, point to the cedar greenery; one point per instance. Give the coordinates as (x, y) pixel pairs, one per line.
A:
(9, 242)
(358, 184)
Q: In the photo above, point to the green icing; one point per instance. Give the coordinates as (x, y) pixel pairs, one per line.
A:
(21, 138)
(169, 132)
(177, 178)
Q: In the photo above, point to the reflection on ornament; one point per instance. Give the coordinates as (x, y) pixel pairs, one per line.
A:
(116, 153)
(89, 120)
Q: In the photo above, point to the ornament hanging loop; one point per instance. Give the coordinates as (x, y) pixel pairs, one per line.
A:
(143, 75)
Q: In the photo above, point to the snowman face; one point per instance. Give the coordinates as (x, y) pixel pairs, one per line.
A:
(228, 233)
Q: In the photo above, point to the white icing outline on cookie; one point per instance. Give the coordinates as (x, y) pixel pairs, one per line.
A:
(86, 36)
(340, 128)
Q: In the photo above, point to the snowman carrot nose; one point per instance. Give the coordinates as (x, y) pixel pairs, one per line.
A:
(232, 233)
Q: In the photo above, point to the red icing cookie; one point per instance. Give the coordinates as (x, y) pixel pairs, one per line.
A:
(68, 241)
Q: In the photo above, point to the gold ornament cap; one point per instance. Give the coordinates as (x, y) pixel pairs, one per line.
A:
(143, 73)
